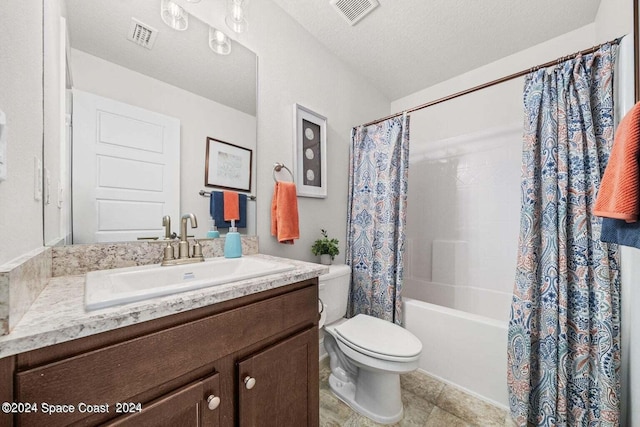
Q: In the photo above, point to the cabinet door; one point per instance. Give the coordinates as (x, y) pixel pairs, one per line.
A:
(188, 406)
(279, 385)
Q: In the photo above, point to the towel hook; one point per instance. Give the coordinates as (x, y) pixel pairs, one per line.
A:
(277, 167)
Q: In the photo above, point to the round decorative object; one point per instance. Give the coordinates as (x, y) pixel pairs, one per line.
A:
(310, 175)
(308, 153)
(308, 133)
(325, 259)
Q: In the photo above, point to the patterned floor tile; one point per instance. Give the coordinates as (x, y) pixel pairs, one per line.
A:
(333, 412)
(422, 385)
(427, 402)
(469, 408)
(441, 418)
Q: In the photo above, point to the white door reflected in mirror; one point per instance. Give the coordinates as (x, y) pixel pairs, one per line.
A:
(126, 170)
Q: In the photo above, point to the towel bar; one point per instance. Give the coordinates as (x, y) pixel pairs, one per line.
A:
(208, 194)
(277, 167)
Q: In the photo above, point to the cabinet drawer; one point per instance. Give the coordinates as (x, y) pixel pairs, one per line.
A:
(185, 407)
(120, 372)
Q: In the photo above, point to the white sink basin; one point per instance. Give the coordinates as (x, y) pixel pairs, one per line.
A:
(106, 288)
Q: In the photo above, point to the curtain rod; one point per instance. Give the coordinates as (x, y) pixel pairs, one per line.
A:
(500, 80)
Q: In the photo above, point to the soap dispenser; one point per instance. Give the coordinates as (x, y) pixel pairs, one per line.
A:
(232, 244)
(213, 230)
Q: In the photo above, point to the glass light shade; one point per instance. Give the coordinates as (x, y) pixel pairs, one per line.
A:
(173, 15)
(236, 18)
(219, 42)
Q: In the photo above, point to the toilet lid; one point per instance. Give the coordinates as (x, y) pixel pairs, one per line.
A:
(379, 336)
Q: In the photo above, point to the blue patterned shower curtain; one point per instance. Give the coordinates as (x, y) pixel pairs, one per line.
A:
(564, 330)
(378, 173)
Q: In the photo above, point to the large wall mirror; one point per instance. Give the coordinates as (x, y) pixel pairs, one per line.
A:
(133, 102)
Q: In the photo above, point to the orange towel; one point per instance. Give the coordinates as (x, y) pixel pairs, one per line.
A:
(619, 194)
(231, 206)
(284, 213)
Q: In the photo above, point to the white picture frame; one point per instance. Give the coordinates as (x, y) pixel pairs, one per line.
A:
(310, 151)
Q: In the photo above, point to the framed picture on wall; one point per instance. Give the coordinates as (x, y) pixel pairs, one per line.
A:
(227, 166)
(310, 148)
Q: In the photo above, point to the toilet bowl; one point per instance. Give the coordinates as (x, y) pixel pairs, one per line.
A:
(366, 354)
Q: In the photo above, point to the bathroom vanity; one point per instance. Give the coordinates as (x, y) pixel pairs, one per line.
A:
(249, 360)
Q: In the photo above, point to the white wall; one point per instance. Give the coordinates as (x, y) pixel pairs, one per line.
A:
(294, 67)
(199, 117)
(21, 101)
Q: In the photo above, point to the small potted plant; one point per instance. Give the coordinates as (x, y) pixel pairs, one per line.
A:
(326, 248)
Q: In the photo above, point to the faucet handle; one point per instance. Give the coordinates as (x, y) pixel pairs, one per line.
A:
(197, 249)
(166, 223)
(168, 253)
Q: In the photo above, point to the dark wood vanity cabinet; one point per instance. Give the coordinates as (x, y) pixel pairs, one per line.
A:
(251, 361)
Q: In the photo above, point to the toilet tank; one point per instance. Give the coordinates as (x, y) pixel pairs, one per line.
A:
(334, 291)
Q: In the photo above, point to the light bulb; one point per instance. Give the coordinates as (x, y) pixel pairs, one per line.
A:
(219, 42)
(173, 15)
(236, 18)
(238, 15)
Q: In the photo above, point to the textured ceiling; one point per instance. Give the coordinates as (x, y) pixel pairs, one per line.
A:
(180, 58)
(407, 45)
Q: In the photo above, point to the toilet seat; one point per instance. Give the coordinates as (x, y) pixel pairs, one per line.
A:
(379, 339)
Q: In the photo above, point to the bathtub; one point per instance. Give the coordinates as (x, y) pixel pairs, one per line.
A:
(464, 349)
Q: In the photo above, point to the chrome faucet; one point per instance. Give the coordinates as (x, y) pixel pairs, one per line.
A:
(184, 252)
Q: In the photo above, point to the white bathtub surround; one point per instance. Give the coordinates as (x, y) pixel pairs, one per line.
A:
(462, 233)
(58, 314)
(449, 262)
(467, 350)
(463, 209)
(467, 298)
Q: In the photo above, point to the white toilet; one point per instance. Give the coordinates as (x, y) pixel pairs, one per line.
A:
(367, 355)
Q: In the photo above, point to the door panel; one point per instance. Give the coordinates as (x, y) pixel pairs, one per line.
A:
(283, 394)
(126, 170)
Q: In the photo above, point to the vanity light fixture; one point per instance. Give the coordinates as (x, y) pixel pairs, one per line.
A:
(236, 18)
(174, 15)
(219, 42)
(177, 18)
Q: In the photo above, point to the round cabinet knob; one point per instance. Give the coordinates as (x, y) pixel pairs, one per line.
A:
(213, 402)
(249, 382)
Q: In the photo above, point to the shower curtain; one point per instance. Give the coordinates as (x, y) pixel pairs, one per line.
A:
(564, 330)
(378, 172)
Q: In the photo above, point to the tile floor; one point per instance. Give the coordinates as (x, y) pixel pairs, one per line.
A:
(428, 402)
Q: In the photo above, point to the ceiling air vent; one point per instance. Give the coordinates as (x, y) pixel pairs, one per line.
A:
(142, 34)
(354, 10)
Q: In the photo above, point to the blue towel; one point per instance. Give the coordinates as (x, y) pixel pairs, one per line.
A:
(216, 210)
(621, 232)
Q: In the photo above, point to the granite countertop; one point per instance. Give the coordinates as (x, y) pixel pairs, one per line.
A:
(58, 314)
